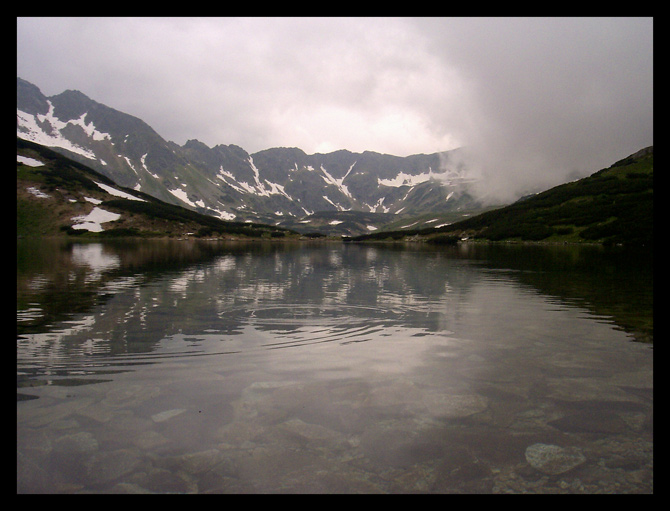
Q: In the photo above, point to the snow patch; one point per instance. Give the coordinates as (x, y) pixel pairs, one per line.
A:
(143, 161)
(34, 128)
(181, 195)
(403, 179)
(130, 164)
(226, 177)
(330, 201)
(224, 215)
(31, 162)
(337, 182)
(277, 189)
(118, 193)
(29, 129)
(260, 188)
(90, 129)
(94, 220)
(379, 204)
(38, 193)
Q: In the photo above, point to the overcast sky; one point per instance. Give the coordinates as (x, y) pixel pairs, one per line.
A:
(533, 100)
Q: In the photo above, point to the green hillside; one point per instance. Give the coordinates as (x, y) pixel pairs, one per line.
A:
(612, 206)
(50, 196)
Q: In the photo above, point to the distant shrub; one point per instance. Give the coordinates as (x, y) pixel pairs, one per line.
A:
(120, 232)
(70, 231)
(563, 230)
(536, 232)
(204, 232)
(444, 239)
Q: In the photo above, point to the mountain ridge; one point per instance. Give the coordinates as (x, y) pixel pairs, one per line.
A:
(281, 186)
(57, 196)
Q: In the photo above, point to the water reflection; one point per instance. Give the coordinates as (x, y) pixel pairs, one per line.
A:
(612, 283)
(328, 367)
(101, 300)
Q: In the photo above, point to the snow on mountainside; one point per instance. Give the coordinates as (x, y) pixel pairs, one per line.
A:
(278, 186)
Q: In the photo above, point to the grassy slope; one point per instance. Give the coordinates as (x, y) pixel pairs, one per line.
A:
(612, 206)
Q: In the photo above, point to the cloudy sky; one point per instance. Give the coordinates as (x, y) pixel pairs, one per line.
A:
(533, 100)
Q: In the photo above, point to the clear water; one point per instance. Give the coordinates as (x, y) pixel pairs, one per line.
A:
(209, 367)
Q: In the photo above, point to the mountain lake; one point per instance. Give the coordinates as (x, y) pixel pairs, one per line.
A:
(227, 367)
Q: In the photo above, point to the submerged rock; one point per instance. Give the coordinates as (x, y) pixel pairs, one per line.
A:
(553, 459)
(105, 467)
(167, 414)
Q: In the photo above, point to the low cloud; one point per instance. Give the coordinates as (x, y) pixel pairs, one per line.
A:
(547, 100)
(532, 101)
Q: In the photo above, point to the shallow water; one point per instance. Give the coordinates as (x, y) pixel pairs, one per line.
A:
(216, 367)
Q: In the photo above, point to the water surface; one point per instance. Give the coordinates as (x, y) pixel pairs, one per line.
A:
(211, 367)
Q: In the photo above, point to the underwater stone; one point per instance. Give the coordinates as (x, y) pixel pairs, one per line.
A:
(553, 459)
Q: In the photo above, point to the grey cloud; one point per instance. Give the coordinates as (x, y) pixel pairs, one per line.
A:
(532, 100)
(549, 98)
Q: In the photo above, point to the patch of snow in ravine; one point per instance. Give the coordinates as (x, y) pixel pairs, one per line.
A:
(181, 195)
(118, 193)
(403, 179)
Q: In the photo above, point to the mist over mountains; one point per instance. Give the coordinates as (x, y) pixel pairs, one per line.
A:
(277, 185)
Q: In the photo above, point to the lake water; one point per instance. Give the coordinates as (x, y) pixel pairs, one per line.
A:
(212, 367)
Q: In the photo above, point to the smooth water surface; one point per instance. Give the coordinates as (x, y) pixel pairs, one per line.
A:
(211, 367)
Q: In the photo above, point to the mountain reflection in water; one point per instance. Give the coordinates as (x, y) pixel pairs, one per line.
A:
(327, 367)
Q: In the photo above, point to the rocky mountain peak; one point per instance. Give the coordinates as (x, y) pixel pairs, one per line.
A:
(275, 185)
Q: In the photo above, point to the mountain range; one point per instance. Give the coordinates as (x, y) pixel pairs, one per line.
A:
(338, 193)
